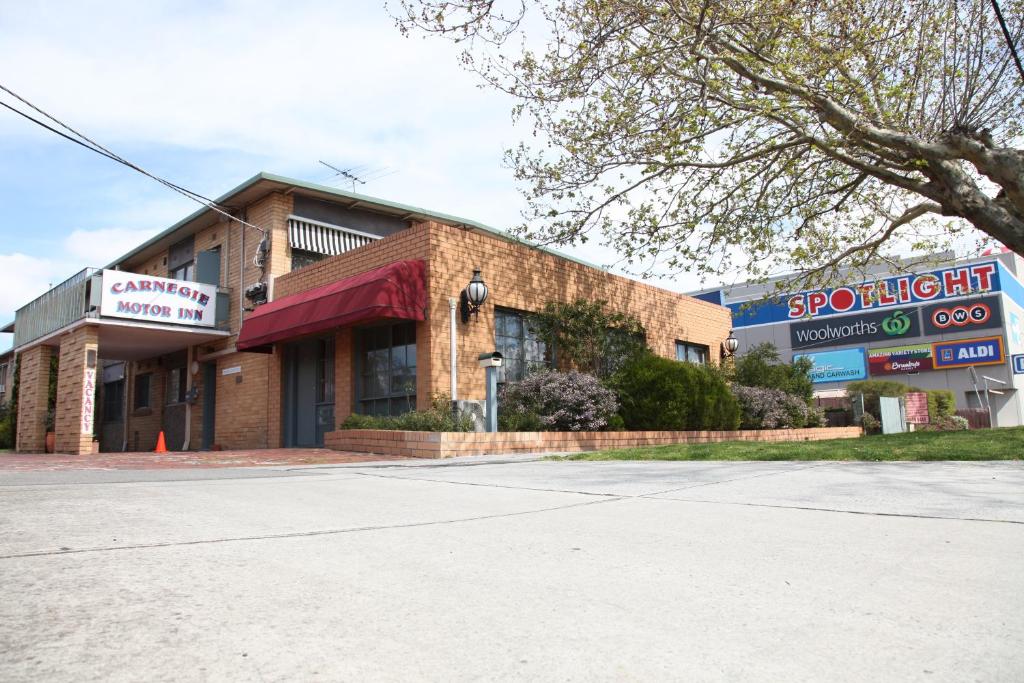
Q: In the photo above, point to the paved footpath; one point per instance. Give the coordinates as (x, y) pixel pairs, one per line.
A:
(521, 570)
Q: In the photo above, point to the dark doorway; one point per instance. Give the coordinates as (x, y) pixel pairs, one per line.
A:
(209, 404)
(308, 392)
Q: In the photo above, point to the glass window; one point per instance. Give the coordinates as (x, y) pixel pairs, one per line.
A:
(692, 353)
(176, 385)
(186, 271)
(113, 401)
(387, 369)
(302, 258)
(523, 351)
(142, 387)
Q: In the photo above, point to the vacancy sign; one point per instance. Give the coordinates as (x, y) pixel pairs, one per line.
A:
(158, 299)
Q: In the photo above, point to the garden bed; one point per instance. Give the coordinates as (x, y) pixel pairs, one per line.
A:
(451, 444)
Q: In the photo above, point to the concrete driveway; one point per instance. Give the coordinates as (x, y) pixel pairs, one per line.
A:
(515, 570)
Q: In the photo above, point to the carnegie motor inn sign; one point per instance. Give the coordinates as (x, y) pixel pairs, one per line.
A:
(158, 299)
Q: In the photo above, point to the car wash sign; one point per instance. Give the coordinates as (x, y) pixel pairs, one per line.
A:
(893, 292)
(158, 299)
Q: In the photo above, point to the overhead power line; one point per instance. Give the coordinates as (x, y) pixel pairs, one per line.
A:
(1009, 40)
(93, 146)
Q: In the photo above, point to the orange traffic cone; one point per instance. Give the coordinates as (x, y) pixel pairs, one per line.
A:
(161, 445)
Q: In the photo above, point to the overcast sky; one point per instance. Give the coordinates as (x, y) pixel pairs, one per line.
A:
(208, 94)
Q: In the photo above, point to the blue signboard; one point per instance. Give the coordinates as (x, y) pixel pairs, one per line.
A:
(936, 285)
(836, 366)
(1018, 364)
(963, 353)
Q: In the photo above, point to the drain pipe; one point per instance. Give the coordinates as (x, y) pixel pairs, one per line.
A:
(188, 400)
(452, 304)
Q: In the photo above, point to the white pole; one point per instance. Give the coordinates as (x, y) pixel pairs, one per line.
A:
(452, 305)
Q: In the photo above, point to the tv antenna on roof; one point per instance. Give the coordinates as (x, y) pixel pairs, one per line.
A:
(361, 174)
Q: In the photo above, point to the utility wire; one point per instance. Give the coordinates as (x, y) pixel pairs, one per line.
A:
(1009, 40)
(103, 151)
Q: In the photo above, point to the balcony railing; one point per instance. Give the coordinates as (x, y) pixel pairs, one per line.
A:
(62, 305)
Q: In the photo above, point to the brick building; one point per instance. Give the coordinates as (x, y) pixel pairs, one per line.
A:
(361, 316)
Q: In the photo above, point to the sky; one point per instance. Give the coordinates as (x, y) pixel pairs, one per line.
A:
(209, 94)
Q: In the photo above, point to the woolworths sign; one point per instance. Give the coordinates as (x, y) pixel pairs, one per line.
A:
(853, 329)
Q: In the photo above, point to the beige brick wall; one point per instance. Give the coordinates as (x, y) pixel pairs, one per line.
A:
(76, 390)
(519, 277)
(450, 444)
(34, 371)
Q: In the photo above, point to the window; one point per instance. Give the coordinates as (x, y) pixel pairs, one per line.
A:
(387, 369)
(302, 258)
(142, 387)
(692, 353)
(522, 349)
(176, 385)
(113, 401)
(186, 271)
(3, 378)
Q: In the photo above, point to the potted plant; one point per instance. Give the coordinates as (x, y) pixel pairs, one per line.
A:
(51, 436)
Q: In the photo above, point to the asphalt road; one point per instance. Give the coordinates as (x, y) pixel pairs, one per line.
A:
(520, 570)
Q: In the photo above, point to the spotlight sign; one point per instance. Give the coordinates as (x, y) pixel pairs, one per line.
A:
(157, 299)
(892, 292)
(962, 316)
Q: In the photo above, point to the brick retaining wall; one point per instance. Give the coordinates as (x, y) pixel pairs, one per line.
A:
(450, 444)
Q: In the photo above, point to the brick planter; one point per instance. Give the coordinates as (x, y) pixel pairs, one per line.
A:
(450, 444)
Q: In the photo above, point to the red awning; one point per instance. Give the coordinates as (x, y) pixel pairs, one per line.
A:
(397, 290)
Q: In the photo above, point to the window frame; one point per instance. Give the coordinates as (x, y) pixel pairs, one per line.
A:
(526, 365)
(687, 347)
(397, 401)
(136, 394)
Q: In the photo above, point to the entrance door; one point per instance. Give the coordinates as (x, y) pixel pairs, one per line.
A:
(209, 404)
(308, 392)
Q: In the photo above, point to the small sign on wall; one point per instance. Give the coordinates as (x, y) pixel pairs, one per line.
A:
(233, 370)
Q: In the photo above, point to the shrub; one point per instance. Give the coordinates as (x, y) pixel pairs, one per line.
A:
(870, 423)
(762, 408)
(438, 418)
(941, 403)
(947, 423)
(762, 367)
(657, 393)
(589, 337)
(556, 401)
(6, 426)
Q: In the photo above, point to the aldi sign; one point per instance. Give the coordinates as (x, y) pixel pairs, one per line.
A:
(853, 329)
(900, 360)
(836, 366)
(1018, 364)
(157, 299)
(966, 352)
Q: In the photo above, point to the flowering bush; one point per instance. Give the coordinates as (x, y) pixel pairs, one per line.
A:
(763, 408)
(556, 401)
(946, 423)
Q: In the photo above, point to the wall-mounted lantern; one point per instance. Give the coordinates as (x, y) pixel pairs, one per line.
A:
(730, 344)
(473, 296)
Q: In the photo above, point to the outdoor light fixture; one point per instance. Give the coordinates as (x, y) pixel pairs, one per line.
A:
(730, 344)
(473, 296)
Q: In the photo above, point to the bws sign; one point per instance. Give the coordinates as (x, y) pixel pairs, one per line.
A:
(959, 316)
(965, 352)
(158, 299)
(854, 329)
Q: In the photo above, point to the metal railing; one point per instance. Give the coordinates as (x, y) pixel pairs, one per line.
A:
(57, 308)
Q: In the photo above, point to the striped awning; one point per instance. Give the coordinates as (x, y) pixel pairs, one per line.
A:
(324, 238)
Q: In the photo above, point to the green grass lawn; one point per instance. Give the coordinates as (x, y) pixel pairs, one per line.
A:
(980, 444)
